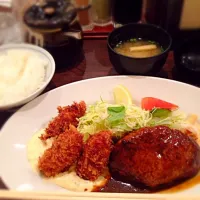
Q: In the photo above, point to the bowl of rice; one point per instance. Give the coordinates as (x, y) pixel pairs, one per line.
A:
(25, 71)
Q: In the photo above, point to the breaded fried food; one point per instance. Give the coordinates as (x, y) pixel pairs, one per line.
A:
(95, 156)
(66, 115)
(64, 152)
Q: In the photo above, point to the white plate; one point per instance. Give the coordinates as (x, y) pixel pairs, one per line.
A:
(14, 167)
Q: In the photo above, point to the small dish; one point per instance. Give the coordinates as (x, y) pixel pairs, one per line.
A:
(49, 72)
(138, 66)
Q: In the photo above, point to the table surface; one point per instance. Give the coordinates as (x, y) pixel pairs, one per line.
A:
(95, 64)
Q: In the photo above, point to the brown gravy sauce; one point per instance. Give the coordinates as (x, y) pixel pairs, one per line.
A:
(183, 186)
(116, 186)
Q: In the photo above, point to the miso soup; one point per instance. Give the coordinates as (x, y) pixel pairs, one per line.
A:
(139, 48)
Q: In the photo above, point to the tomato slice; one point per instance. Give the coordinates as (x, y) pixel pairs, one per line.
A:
(149, 103)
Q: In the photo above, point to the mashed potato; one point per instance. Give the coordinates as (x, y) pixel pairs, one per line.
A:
(21, 73)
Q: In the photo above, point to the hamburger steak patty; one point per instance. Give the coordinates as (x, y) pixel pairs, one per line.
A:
(155, 156)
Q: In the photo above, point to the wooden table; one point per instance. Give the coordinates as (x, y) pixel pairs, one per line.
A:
(95, 64)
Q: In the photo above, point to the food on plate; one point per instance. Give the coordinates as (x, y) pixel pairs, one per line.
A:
(149, 103)
(155, 156)
(117, 118)
(122, 95)
(22, 72)
(192, 119)
(95, 156)
(138, 48)
(63, 153)
(120, 119)
(86, 147)
(68, 179)
(66, 115)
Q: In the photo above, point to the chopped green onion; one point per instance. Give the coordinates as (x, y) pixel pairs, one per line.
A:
(133, 40)
(152, 42)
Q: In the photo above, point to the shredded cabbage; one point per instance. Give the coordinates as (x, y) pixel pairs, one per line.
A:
(176, 119)
(97, 119)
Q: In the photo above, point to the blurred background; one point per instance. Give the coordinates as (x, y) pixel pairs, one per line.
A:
(75, 33)
(73, 20)
(99, 17)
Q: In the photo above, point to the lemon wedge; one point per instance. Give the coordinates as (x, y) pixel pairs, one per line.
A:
(122, 95)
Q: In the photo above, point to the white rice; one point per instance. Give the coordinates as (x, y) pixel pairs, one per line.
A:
(21, 73)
